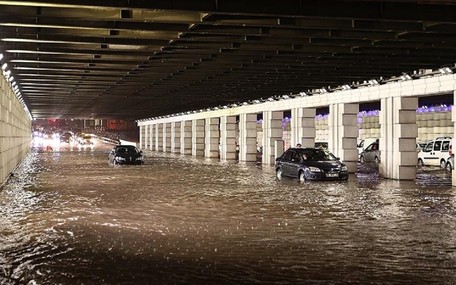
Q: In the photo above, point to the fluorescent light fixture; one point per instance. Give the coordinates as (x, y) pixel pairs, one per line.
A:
(1, 56)
(4, 66)
(445, 70)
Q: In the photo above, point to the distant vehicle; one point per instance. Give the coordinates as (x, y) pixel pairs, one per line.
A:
(66, 137)
(371, 153)
(310, 164)
(420, 146)
(125, 154)
(436, 152)
(363, 144)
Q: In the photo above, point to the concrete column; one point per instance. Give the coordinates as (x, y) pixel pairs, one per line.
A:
(228, 138)
(212, 137)
(166, 137)
(398, 132)
(248, 137)
(146, 137)
(343, 133)
(453, 149)
(272, 132)
(142, 136)
(151, 136)
(159, 137)
(198, 137)
(186, 137)
(175, 137)
(303, 126)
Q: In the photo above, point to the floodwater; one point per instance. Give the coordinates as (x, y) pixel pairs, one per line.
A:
(67, 217)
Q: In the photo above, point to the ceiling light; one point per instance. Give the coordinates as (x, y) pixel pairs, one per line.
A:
(445, 70)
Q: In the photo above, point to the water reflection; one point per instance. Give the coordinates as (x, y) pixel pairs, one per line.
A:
(70, 218)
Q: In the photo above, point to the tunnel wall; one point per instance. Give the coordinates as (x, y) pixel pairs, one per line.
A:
(15, 130)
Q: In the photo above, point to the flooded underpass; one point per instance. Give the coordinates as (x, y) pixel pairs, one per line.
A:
(69, 217)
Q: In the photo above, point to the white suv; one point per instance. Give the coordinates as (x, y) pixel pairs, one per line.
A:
(436, 152)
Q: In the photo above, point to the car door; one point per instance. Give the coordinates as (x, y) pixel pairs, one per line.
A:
(287, 162)
(429, 153)
(444, 152)
(370, 151)
(295, 162)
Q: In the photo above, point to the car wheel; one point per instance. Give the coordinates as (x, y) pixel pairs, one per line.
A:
(361, 159)
(448, 167)
(377, 160)
(420, 162)
(442, 164)
(302, 176)
(279, 173)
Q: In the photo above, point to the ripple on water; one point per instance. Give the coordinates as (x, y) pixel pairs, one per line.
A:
(70, 218)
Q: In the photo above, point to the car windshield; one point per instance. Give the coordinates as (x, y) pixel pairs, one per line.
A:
(126, 149)
(319, 155)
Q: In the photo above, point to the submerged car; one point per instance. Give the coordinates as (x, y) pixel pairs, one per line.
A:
(371, 153)
(126, 154)
(310, 164)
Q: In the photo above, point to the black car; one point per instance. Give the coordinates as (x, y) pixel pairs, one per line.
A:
(126, 154)
(310, 164)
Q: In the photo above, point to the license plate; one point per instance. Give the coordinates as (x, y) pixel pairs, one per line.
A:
(332, 174)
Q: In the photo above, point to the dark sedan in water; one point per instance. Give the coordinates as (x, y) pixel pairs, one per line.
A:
(310, 164)
(125, 154)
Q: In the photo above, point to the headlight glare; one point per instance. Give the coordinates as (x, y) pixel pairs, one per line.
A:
(314, 169)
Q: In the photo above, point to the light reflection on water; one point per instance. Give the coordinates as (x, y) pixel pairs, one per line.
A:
(70, 218)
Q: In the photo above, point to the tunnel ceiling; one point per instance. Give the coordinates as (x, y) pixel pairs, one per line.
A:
(139, 59)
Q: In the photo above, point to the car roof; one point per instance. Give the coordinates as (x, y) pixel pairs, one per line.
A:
(301, 149)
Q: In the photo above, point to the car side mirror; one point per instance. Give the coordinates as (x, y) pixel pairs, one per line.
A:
(337, 158)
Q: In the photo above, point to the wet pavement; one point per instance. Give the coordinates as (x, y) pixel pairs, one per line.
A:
(67, 217)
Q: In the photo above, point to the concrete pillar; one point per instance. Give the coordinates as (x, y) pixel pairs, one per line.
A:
(303, 126)
(152, 136)
(398, 132)
(453, 148)
(167, 137)
(212, 137)
(146, 137)
(142, 136)
(272, 132)
(228, 138)
(186, 137)
(175, 137)
(248, 137)
(343, 133)
(198, 137)
(159, 137)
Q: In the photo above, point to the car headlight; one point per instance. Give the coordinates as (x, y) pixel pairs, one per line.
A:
(344, 168)
(118, 158)
(314, 169)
